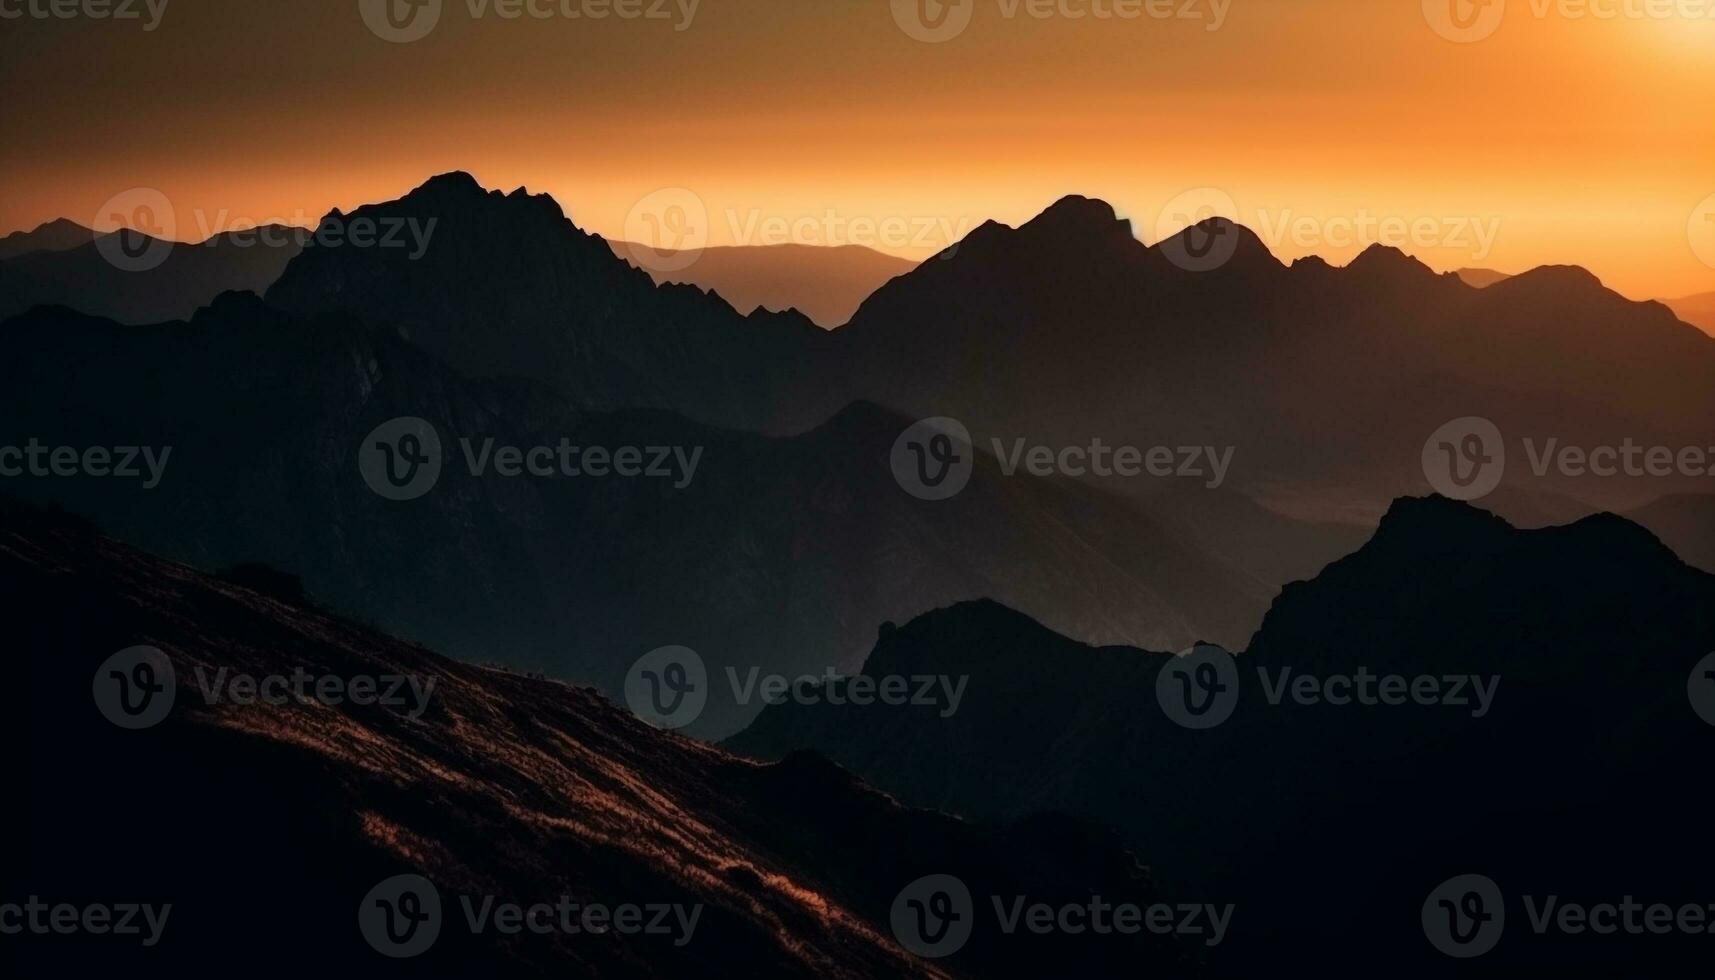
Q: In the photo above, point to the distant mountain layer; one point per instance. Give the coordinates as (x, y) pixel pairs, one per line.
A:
(1699, 310)
(783, 554)
(1583, 636)
(259, 820)
(59, 235)
(170, 280)
(825, 283)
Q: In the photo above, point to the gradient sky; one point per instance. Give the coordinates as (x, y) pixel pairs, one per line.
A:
(1576, 139)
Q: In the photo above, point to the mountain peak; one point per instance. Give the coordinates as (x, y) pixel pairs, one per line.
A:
(1385, 260)
(1075, 221)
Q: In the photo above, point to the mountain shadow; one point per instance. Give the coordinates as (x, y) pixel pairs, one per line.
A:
(1332, 823)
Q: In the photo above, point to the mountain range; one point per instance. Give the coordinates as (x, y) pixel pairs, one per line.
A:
(65, 264)
(1331, 821)
(264, 826)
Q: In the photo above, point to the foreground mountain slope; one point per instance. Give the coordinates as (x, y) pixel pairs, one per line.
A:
(1333, 822)
(266, 824)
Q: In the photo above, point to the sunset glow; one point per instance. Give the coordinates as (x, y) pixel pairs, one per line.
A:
(1575, 138)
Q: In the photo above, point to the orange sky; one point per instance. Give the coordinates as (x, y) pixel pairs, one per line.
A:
(1568, 139)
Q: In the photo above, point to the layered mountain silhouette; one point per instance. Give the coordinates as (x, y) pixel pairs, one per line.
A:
(59, 235)
(779, 554)
(508, 287)
(266, 825)
(825, 283)
(187, 277)
(1327, 380)
(1333, 823)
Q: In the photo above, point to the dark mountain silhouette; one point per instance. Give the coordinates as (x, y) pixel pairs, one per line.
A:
(188, 278)
(1327, 380)
(59, 235)
(265, 825)
(1332, 824)
(509, 287)
(781, 554)
(825, 283)
(1698, 310)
